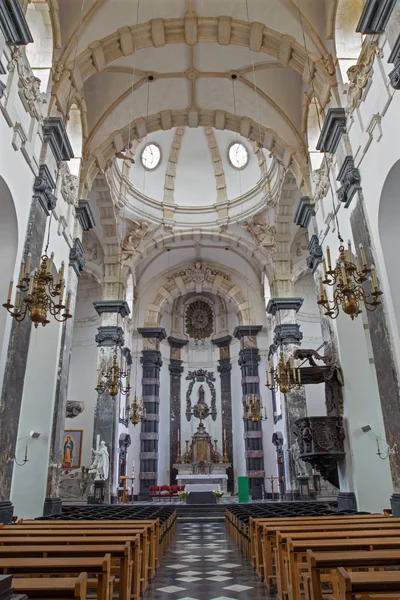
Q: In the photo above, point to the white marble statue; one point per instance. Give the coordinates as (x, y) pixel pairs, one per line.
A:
(299, 464)
(101, 462)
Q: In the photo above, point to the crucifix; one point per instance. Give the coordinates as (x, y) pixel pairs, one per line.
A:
(272, 480)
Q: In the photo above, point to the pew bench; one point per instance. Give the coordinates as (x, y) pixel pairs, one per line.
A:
(322, 567)
(362, 586)
(99, 567)
(54, 587)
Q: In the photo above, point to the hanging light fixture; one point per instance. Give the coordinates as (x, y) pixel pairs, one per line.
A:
(348, 278)
(253, 409)
(110, 378)
(136, 411)
(35, 292)
(284, 377)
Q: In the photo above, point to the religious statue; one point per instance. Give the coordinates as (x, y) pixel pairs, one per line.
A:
(299, 464)
(101, 462)
(68, 453)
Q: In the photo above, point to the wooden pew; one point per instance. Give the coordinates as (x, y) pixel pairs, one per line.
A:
(295, 562)
(121, 560)
(331, 561)
(345, 533)
(269, 538)
(144, 566)
(363, 585)
(54, 587)
(100, 567)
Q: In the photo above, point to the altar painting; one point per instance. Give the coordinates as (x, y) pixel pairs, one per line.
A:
(72, 449)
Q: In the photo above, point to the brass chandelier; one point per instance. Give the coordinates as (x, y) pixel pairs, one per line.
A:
(136, 411)
(35, 292)
(284, 377)
(253, 409)
(110, 378)
(348, 277)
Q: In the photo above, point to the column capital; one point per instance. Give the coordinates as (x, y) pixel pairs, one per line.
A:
(84, 215)
(304, 212)
(175, 367)
(13, 23)
(109, 335)
(55, 134)
(375, 16)
(176, 342)
(224, 367)
(76, 257)
(222, 341)
(157, 333)
(43, 188)
(287, 333)
(276, 304)
(333, 128)
(394, 59)
(112, 306)
(349, 177)
(316, 255)
(242, 331)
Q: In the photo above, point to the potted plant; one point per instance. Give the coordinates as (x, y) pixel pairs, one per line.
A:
(183, 494)
(218, 495)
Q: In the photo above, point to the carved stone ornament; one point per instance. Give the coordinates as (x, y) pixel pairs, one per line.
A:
(139, 231)
(360, 74)
(43, 187)
(321, 180)
(329, 63)
(199, 320)
(201, 375)
(349, 177)
(198, 273)
(260, 231)
(74, 408)
(76, 260)
(69, 185)
(58, 69)
(316, 255)
(28, 84)
(394, 59)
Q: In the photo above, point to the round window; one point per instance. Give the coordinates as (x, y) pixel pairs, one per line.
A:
(151, 156)
(238, 155)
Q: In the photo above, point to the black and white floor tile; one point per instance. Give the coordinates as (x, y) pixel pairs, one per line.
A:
(202, 563)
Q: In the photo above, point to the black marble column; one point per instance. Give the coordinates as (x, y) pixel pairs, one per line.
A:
(224, 370)
(55, 148)
(149, 436)
(249, 357)
(52, 503)
(175, 371)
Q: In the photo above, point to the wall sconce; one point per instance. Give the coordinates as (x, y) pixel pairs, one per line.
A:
(14, 458)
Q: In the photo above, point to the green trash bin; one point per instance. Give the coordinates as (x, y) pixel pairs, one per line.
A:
(243, 489)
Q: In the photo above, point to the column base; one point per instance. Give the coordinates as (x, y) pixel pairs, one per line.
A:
(347, 501)
(303, 481)
(395, 504)
(6, 511)
(99, 489)
(52, 506)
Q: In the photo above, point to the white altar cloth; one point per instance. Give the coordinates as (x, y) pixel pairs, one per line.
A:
(209, 479)
(202, 487)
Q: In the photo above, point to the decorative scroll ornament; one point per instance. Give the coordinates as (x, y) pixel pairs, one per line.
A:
(199, 320)
(258, 228)
(74, 408)
(321, 180)
(209, 377)
(28, 84)
(69, 185)
(140, 230)
(360, 74)
(329, 63)
(198, 273)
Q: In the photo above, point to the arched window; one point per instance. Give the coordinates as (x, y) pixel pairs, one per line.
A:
(40, 53)
(129, 293)
(74, 131)
(348, 42)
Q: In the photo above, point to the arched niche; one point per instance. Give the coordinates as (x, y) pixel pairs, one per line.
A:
(74, 131)
(347, 41)
(40, 53)
(8, 248)
(389, 219)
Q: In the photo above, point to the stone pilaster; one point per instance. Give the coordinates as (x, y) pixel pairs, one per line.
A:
(224, 369)
(43, 201)
(149, 436)
(175, 371)
(249, 357)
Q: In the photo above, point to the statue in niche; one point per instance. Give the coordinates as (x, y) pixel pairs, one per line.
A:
(201, 394)
(301, 470)
(101, 463)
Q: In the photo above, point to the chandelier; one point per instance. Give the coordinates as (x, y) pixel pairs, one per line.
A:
(110, 378)
(35, 292)
(136, 411)
(348, 277)
(284, 377)
(253, 409)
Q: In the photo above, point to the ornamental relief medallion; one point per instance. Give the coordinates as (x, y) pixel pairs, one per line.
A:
(199, 320)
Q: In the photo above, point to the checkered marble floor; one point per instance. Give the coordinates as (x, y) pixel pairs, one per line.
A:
(203, 564)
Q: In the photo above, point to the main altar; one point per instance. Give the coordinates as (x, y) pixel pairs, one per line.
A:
(202, 469)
